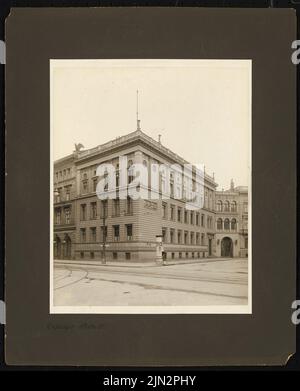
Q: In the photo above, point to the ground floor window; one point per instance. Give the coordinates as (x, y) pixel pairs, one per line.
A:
(115, 255)
(180, 255)
(193, 256)
(173, 255)
(127, 256)
(198, 255)
(186, 255)
(92, 255)
(82, 255)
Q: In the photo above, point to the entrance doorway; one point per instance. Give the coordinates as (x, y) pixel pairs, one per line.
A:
(57, 248)
(67, 247)
(226, 247)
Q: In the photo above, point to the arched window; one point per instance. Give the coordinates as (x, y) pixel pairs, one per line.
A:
(219, 206)
(219, 224)
(233, 206)
(233, 224)
(226, 224)
(226, 206)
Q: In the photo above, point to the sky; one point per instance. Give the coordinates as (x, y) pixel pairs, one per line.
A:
(201, 108)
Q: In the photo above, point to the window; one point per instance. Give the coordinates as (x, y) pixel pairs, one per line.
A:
(226, 206)
(117, 176)
(116, 233)
(202, 220)
(245, 207)
(58, 217)
(185, 216)
(83, 235)
(58, 195)
(93, 234)
(67, 215)
(95, 182)
(179, 237)
(130, 171)
(93, 210)
(197, 219)
(68, 193)
(202, 239)
(129, 208)
(219, 206)
(193, 255)
(105, 177)
(219, 224)
(226, 224)
(84, 186)
(185, 237)
(172, 234)
(69, 171)
(172, 213)
(83, 212)
(115, 256)
(129, 231)
(192, 218)
(180, 255)
(127, 256)
(173, 255)
(92, 255)
(172, 189)
(233, 224)
(104, 208)
(246, 242)
(233, 206)
(116, 207)
(198, 238)
(164, 233)
(164, 210)
(192, 237)
(198, 255)
(179, 214)
(186, 255)
(82, 255)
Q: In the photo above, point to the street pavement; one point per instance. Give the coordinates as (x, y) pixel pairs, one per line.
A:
(201, 283)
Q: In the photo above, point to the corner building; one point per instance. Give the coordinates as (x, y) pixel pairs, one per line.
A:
(126, 229)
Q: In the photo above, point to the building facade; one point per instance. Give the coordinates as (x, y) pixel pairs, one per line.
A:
(232, 222)
(125, 229)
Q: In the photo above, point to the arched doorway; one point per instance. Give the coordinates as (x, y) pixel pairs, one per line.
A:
(226, 247)
(67, 247)
(57, 247)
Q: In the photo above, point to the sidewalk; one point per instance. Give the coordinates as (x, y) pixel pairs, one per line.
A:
(137, 264)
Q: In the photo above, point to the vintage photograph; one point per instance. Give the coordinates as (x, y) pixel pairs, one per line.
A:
(150, 193)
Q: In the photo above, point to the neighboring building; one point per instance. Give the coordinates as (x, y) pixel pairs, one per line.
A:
(232, 222)
(127, 227)
(64, 208)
